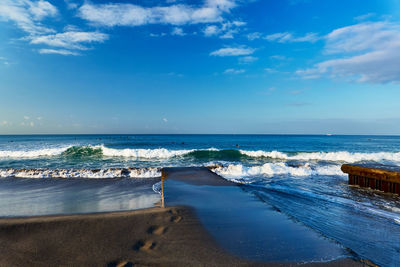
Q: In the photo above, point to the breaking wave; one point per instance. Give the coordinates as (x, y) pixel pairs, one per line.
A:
(343, 156)
(200, 154)
(158, 153)
(150, 172)
(45, 152)
(272, 169)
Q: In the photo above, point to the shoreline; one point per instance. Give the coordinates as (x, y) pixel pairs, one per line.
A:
(170, 236)
(154, 236)
(181, 234)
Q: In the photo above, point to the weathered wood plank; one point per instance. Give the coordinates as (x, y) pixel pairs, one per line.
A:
(375, 176)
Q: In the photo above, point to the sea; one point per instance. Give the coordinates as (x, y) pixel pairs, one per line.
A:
(298, 175)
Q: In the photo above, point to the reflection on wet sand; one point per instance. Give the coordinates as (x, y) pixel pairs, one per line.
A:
(32, 197)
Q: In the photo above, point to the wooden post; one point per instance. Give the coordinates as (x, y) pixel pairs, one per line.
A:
(162, 189)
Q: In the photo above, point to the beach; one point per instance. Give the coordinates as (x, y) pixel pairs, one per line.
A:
(151, 237)
(273, 200)
(156, 236)
(169, 236)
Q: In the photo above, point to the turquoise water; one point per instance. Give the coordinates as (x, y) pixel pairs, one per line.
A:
(111, 151)
(298, 175)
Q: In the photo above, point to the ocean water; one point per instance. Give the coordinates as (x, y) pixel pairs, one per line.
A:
(298, 175)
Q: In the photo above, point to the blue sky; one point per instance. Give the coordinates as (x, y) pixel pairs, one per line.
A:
(212, 66)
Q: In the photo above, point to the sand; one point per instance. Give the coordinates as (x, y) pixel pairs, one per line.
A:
(152, 237)
(172, 236)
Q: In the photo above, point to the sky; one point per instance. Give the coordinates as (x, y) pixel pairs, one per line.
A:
(201, 66)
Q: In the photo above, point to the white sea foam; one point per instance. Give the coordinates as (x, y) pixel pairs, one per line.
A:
(158, 153)
(342, 156)
(161, 153)
(45, 152)
(271, 169)
(157, 187)
(82, 173)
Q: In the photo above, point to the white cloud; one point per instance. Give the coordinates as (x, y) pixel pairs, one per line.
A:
(232, 51)
(247, 59)
(26, 117)
(5, 123)
(270, 70)
(287, 37)
(165, 120)
(228, 35)
(365, 52)
(178, 31)
(363, 37)
(31, 124)
(4, 60)
(71, 28)
(63, 52)
(27, 14)
(70, 40)
(254, 35)
(42, 9)
(71, 4)
(365, 16)
(157, 34)
(121, 14)
(226, 30)
(234, 71)
(211, 30)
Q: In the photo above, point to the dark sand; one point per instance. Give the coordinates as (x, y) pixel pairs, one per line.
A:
(151, 237)
(172, 236)
(167, 237)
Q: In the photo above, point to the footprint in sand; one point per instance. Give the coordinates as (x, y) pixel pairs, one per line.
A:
(145, 245)
(176, 219)
(157, 230)
(173, 212)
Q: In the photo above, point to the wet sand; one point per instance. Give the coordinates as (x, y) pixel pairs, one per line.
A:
(173, 236)
(152, 237)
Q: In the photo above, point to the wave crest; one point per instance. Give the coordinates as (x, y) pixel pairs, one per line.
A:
(45, 152)
(271, 169)
(343, 156)
(161, 153)
(200, 154)
(150, 172)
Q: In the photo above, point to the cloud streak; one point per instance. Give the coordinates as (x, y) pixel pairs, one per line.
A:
(366, 52)
(58, 52)
(287, 37)
(234, 71)
(27, 15)
(70, 40)
(232, 51)
(122, 14)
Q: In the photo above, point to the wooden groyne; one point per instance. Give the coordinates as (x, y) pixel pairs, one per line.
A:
(379, 177)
